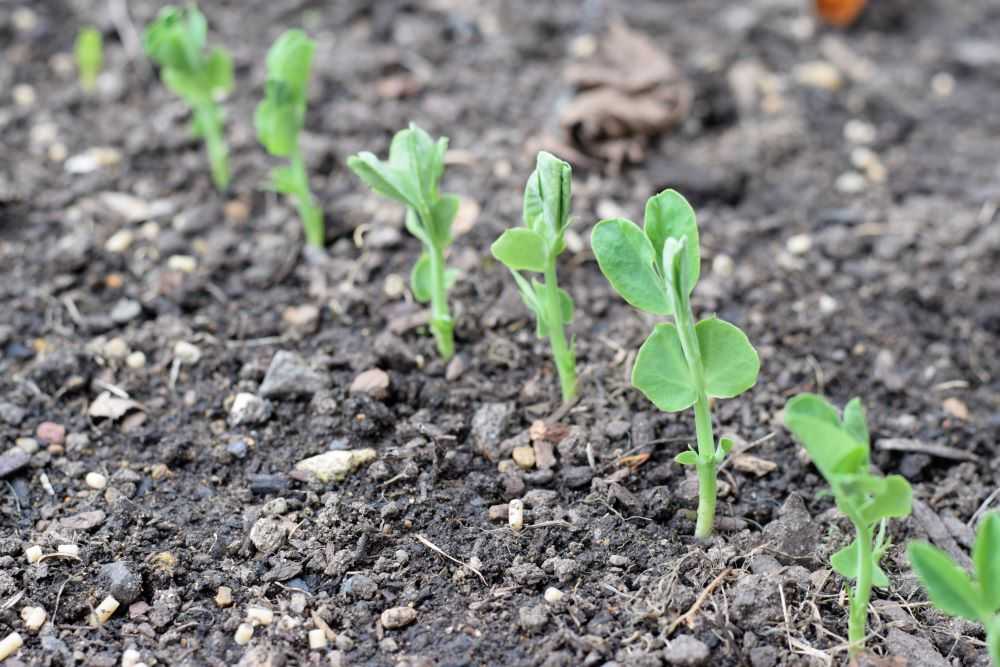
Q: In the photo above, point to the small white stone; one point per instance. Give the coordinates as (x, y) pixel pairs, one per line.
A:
(29, 445)
(943, 84)
(131, 658)
(57, 152)
(24, 95)
(119, 241)
(224, 597)
(244, 634)
(10, 645)
(33, 553)
(799, 244)
(317, 639)
(336, 464)
(96, 158)
(96, 480)
(827, 304)
(24, 19)
(819, 74)
(33, 617)
(553, 595)
(136, 360)
(116, 348)
(104, 611)
(850, 182)
(859, 132)
(182, 263)
(723, 265)
(515, 515)
(187, 353)
(394, 286)
(69, 550)
(260, 615)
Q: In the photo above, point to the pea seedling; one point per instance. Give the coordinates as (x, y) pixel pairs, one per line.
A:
(535, 247)
(411, 176)
(954, 592)
(279, 119)
(176, 42)
(840, 449)
(681, 364)
(89, 52)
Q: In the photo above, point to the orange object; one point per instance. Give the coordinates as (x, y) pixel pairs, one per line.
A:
(840, 13)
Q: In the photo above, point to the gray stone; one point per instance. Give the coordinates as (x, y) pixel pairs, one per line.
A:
(13, 460)
(359, 586)
(289, 376)
(336, 465)
(249, 409)
(398, 617)
(83, 520)
(11, 413)
(526, 573)
(533, 618)
(916, 650)
(488, 425)
(576, 477)
(268, 534)
(793, 534)
(120, 580)
(685, 650)
(125, 310)
(166, 603)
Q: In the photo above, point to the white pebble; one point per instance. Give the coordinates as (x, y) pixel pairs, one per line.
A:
(24, 19)
(819, 74)
(723, 265)
(120, 241)
(136, 360)
(943, 84)
(104, 611)
(515, 515)
(33, 553)
(260, 615)
(244, 634)
(24, 95)
(224, 597)
(394, 286)
(69, 550)
(799, 244)
(317, 639)
(182, 263)
(96, 480)
(859, 132)
(850, 182)
(827, 304)
(131, 658)
(33, 617)
(10, 644)
(187, 353)
(553, 595)
(116, 348)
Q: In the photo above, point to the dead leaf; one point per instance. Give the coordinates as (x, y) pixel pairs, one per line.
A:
(840, 13)
(633, 461)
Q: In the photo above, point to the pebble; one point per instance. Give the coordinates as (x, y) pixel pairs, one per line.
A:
(317, 639)
(532, 618)
(617, 560)
(96, 480)
(51, 433)
(10, 645)
(29, 445)
(268, 534)
(498, 512)
(819, 74)
(524, 457)
(723, 265)
(553, 595)
(33, 617)
(238, 448)
(260, 615)
(24, 95)
(455, 368)
(800, 244)
(244, 633)
(13, 460)
(11, 413)
(187, 353)
(131, 658)
(182, 263)
(136, 360)
(685, 650)
(515, 515)
(576, 477)
(126, 310)
(943, 84)
(373, 382)
(120, 241)
(290, 376)
(249, 409)
(116, 348)
(104, 611)
(956, 408)
(850, 182)
(92, 159)
(120, 580)
(394, 286)
(224, 597)
(488, 424)
(83, 520)
(398, 617)
(336, 465)
(303, 318)
(33, 553)
(69, 550)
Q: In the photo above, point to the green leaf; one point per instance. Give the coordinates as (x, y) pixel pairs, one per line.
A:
(661, 372)
(218, 71)
(285, 180)
(521, 249)
(894, 500)
(855, 422)
(451, 277)
(669, 215)
(378, 176)
(419, 161)
(948, 586)
(547, 197)
(731, 363)
(831, 449)
(289, 61)
(845, 563)
(986, 556)
(89, 52)
(443, 213)
(627, 260)
(420, 279)
(688, 458)
(722, 450)
(993, 639)
(277, 126)
(812, 405)
(566, 305)
(414, 226)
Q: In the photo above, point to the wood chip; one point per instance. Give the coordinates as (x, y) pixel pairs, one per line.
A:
(917, 447)
(753, 465)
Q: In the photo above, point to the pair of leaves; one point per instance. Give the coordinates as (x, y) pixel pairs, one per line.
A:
(661, 372)
(950, 587)
(547, 198)
(176, 42)
(845, 561)
(421, 280)
(411, 176)
(280, 116)
(633, 261)
(691, 458)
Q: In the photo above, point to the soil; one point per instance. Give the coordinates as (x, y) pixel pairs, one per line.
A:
(879, 280)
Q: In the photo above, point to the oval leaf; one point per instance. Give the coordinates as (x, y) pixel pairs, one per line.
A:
(688, 458)
(812, 405)
(730, 361)
(661, 373)
(986, 555)
(669, 215)
(948, 586)
(830, 448)
(855, 422)
(893, 501)
(420, 279)
(626, 258)
(520, 249)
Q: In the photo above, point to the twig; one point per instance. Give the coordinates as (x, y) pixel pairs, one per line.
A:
(688, 617)
(982, 508)
(430, 545)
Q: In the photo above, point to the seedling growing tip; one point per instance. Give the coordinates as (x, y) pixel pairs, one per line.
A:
(411, 176)
(89, 52)
(279, 119)
(176, 42)
(840, 449)
(681, 364)
(954, 592)
(536, 247)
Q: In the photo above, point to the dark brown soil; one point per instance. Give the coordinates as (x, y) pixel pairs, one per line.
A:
(890, 292)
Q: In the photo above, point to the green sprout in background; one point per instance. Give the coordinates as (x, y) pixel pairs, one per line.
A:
(176, 42)
(681, 364)
(954, 592)
(535, 247)
(89, 52)
(840, 449)
(411, 176)
(279, 119)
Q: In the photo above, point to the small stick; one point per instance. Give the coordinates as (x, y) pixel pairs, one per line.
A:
(430, 545)
(688, 617)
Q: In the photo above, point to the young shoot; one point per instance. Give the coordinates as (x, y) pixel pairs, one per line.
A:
(89, 52)
(535, 247)
(682, 363)
(176, 42)
(279, 119)
(954, 592)
(411, 176)
(840, 449)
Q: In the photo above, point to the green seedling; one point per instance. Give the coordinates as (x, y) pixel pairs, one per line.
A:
(535, 247)
(279, 119)
(411, 176)
(176, 42)
(840, 449)
(954, 592)
(89, 51)
(681, 364)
